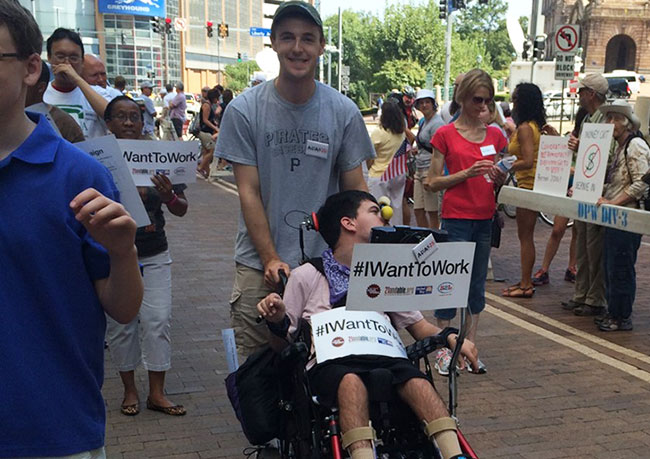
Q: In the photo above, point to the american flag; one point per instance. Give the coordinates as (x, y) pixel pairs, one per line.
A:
(397, 165)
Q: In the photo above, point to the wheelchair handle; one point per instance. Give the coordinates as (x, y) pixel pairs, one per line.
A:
(279, 289)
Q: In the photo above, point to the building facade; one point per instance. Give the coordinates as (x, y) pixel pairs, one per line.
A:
(614, 34)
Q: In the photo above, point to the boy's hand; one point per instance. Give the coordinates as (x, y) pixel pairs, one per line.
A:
(272, 308)
(106, 221)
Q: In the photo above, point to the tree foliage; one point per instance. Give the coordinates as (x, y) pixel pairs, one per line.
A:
(410, 41)
(238, 75)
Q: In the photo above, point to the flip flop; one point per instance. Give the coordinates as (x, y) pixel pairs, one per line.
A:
(511, 288)
(130, 410)
(176, 410)
(519, 292)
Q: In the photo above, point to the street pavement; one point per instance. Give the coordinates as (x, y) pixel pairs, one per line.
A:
(555, 386)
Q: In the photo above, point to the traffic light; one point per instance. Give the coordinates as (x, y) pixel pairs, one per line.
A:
(238, 57)
(168, 25)
(539, 46)
(525, 54)
(458, 4)
(443, 9)
(208, 27)
(155, 25)
(223, 30)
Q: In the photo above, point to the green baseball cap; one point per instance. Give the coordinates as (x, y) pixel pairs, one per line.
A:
(297, 7)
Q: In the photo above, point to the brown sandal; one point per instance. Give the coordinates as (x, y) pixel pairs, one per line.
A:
(130, 410)
(516, 291)
(176, 410)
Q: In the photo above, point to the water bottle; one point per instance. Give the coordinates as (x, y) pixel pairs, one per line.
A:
(505, 164)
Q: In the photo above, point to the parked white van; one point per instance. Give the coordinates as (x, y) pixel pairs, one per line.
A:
(631, 77)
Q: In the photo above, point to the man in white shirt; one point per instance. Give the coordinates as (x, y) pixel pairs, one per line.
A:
(68, 90)
(94, 72)
(168, 129)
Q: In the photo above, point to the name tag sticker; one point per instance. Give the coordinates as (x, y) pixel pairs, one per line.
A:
(488, 150)
(317, 149)
(425, 249)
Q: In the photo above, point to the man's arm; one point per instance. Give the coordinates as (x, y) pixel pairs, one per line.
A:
(248, 183)
(353, 180)
(108, 223)
(97, 102)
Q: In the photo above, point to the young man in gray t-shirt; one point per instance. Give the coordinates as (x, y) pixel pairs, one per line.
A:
(293, 142)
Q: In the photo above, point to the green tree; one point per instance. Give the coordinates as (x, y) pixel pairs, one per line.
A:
(238, 75)
(397, 74)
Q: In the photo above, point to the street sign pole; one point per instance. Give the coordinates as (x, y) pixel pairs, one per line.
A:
(450, 27)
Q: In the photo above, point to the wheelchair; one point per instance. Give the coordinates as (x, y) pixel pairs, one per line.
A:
(310, 430)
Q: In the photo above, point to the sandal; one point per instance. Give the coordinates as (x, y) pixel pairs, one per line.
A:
(519, 292)
(130, 410)
(202, 173)
(176, 410)
(511, 288)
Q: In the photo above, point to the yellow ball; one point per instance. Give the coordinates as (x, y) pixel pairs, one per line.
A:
(386, 212)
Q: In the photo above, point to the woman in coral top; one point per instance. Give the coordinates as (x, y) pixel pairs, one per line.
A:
(468, 148)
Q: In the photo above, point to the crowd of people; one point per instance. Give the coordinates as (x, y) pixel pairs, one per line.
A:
(294, 145)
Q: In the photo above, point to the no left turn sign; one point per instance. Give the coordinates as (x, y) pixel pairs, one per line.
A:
(566, 39)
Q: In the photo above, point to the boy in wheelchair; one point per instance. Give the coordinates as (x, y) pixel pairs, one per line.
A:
(346, 219)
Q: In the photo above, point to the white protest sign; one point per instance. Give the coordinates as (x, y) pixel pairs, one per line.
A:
(553, 165)
(176, 160)
(107, 151)
(339, 333)
(386, 278)
(591, 165)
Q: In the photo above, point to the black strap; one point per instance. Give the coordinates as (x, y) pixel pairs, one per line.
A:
(317, 263)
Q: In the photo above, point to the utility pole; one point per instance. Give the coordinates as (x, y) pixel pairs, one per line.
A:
(450, 28)
(340, 47)
(533, 34)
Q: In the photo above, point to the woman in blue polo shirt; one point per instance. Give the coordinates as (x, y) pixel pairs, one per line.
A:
(124, 118)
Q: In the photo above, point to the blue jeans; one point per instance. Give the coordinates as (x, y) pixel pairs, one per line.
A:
(619, 257)
(479, 231)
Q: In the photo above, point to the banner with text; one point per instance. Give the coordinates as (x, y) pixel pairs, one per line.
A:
(340, 333)
(386, 277)
(591, 164)
(154, 8)
(553, 165)
(107, 151)
(176, 160)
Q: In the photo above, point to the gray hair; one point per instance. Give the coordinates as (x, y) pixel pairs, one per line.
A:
(180, 86)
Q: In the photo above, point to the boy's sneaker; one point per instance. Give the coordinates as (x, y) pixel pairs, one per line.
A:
(611, 324)
(570, 275)
(540, 278)
(601, 318)
(442, 359)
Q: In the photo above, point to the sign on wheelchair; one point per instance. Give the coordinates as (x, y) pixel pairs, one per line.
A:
(391, 277)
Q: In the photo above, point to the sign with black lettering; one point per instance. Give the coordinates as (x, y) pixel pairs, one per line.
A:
(564, 65)
(176, 160)
(387, 278)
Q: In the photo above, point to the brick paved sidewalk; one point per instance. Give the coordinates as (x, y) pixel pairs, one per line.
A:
(539, 399)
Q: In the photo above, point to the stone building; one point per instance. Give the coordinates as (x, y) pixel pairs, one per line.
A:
(615, 34)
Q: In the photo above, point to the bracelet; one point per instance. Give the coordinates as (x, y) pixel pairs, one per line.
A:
(279, 329)
(172, 201)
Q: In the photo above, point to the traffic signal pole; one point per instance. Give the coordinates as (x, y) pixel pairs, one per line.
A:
(450, 28)
(533, 35)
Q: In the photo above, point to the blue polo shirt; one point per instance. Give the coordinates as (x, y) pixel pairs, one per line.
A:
(51, 324)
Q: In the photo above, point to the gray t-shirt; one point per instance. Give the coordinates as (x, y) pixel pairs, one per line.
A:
(425, 133)
(299, 151)
(149, 113)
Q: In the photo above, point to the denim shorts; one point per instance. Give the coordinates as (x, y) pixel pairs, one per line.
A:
(480, 232)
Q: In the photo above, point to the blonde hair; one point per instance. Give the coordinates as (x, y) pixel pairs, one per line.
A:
(495, 116)
(473, 80)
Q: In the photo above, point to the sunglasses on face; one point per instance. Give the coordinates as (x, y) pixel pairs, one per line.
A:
(481, 100)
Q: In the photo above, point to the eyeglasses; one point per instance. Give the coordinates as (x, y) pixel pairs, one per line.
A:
(6, 55)
(481, 100)
(132, 117)
(73, 58)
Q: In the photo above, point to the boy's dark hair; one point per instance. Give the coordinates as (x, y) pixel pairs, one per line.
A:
(169, 87)
(337, 206)
(23, 29)
(108, 112)
(64, 34)
(119, 82)
(227, 96)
